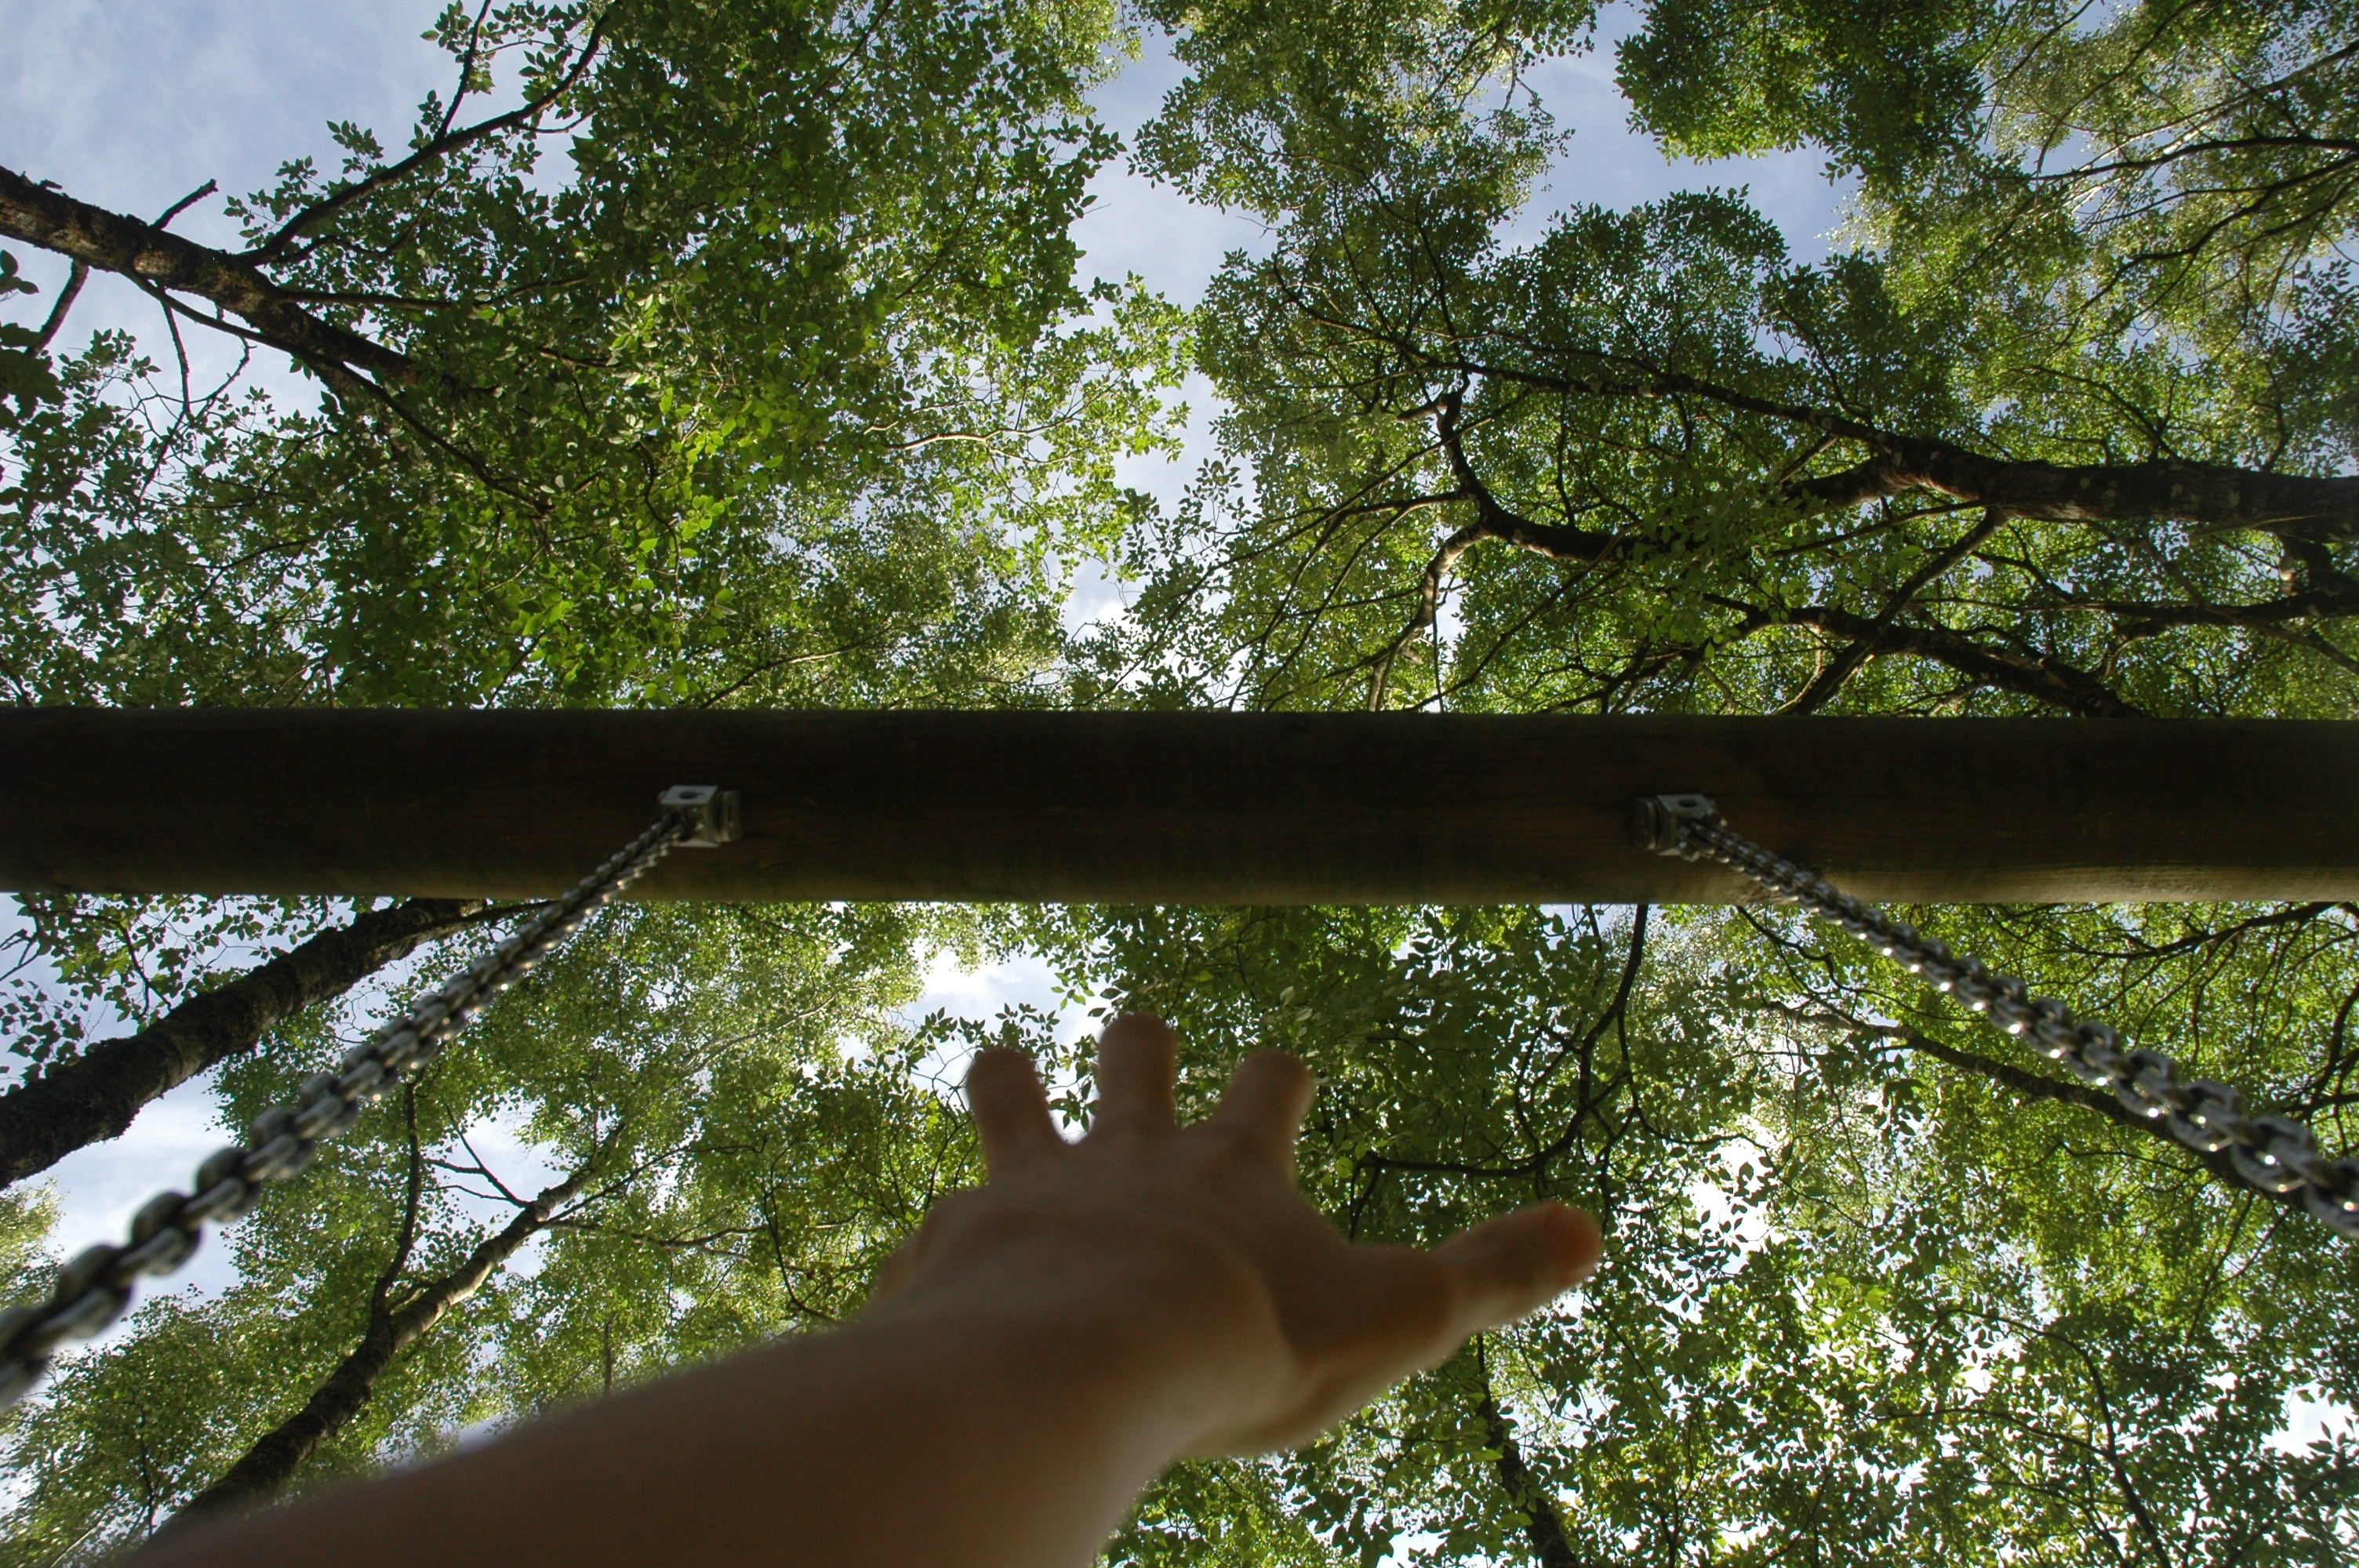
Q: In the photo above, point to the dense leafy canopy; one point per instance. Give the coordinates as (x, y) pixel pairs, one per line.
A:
(1990, 461)
(787, 377)
(740, 360)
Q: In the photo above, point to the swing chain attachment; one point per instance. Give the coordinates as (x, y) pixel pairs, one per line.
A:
(2272, 1155)
(91, 1292)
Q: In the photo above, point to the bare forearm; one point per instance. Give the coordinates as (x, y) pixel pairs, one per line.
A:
(971, 1435)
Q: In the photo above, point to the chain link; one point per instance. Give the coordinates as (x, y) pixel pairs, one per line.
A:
(2270, 1155)
(91, 1292)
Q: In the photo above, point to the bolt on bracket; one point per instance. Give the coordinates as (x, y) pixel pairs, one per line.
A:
(711, 812)
(1655, 819)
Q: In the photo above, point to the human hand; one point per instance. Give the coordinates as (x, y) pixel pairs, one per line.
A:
(1198, 1238)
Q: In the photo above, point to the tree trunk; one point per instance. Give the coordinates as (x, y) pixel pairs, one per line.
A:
(1543, 1526)
(267, 1467)
(2209, 495)
(95, 1096)
(116, 243)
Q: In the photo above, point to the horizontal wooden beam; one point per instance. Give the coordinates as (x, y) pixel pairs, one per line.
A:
(1171, 807)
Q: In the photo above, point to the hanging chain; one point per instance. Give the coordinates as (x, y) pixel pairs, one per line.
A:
(2273, 1156)
(91, 1292)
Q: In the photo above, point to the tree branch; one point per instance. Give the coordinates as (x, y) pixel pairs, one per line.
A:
(2041, 677)
(95, 1096)
(76, 275)
(440, 147)
(2033, 1086)
(2208, 495)
(116, 243)
(1823, 685)
(265, 1468)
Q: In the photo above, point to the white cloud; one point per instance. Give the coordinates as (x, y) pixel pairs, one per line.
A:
(2310, 1419)
(100, 1186)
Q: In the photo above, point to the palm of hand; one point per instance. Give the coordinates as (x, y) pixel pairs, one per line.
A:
(1206, 1221)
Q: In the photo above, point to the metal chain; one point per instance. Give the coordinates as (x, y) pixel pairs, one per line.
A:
(2272, 1155)
(91, 1292)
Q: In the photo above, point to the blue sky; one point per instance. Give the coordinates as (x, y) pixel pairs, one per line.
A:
(133, 107)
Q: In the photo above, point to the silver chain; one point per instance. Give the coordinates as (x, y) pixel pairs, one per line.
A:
(90, 1293)
(2270, 1155)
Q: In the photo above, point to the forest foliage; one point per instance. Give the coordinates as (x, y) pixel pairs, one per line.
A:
(705, 354)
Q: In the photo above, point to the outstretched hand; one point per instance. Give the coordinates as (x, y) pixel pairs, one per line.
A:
(1198, 1237)
(1043, 1348)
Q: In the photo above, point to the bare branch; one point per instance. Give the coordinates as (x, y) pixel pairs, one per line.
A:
(76, 275)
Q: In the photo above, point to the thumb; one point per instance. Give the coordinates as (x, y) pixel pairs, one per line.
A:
(1506, 1267)
(893, 1273)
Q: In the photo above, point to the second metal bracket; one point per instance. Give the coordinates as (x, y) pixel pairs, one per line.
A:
(711, 814)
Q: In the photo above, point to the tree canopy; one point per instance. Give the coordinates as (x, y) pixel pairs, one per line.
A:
(692, 355)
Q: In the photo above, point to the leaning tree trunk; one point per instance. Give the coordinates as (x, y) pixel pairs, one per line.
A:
(2320, 509)
(267, 1467)
(94, 1096)
(1543, 1526)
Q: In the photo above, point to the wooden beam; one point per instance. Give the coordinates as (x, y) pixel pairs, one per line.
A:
(1171, 807)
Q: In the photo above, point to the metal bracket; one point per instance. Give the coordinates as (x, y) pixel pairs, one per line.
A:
(1655, 819)
(710, 811)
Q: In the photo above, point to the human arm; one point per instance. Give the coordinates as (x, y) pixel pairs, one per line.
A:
(1043, 1348)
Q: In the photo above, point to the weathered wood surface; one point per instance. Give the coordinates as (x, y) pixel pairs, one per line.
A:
(1170, 808)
